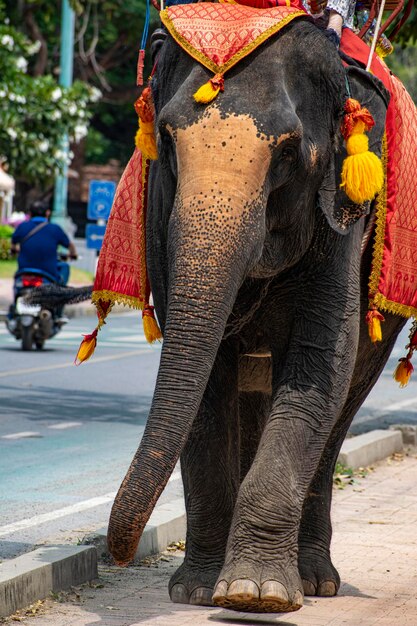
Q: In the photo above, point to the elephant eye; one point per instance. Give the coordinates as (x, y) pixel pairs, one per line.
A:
(288, 153)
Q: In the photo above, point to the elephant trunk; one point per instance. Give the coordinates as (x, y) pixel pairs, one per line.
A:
(208, 268)
(216, 231)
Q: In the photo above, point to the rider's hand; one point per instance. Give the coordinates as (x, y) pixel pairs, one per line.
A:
(332, 36)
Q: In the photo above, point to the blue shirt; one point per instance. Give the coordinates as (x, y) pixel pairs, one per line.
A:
(40, 250)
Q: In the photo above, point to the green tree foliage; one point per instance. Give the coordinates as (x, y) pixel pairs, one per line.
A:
(403, 62)
(34, 111)
(107, 40)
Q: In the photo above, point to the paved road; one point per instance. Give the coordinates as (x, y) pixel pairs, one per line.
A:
(67, 433)
(387, 403)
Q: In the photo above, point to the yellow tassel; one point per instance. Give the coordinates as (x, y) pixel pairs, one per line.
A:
(207, 92)
(150, 325)
(403, 371)
(374, 319)
(375, 331)
(145, 140)
(87, 347)
(362, 172)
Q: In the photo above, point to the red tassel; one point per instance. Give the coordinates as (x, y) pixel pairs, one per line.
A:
(141, 65)
(355, 113)
(144, 106)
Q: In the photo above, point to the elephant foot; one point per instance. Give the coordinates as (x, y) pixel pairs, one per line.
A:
(272, 594)
(193, 584)
(319, 576)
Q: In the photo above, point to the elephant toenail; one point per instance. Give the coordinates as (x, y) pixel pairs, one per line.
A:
(274, 591)
(243, 590)
(179, 594)
(202, 596)
(220, 591)
(309, 588)
(298, 600)
(327, 589)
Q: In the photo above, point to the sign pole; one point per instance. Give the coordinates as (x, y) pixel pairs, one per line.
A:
(60, 215)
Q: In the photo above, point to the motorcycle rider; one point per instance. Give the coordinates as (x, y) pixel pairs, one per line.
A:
(36, 242)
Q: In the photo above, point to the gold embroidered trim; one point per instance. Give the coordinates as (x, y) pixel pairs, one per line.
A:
(144, 275)
(375, 296)
(116, 298)
(221, 69)
(381, 214)
(394, 307)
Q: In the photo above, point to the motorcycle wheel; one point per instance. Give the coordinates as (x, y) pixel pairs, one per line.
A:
(27, 338)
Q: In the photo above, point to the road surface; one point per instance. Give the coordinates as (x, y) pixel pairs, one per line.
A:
(67, 434)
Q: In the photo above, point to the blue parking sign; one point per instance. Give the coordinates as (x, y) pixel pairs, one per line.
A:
(100, 199)
(94, 235)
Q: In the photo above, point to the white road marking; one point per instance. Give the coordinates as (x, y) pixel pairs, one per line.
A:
(47, 517)
(23, 435)
(9, 529)
(129, 338)
(70, 334)
(46, 368)
(64, 425)
(400, 405)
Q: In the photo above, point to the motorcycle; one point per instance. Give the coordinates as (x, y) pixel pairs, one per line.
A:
(33, 323)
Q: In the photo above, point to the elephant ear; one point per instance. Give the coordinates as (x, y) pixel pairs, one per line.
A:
(340, 211)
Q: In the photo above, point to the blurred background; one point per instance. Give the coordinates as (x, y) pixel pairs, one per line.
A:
(68, 73)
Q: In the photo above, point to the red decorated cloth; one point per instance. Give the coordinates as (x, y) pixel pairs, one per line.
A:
(219, 35)
(393, 280)
(121, 271)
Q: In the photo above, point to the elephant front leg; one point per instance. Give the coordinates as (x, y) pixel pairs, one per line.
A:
(210, 470)
(260, 573)
(317, 571)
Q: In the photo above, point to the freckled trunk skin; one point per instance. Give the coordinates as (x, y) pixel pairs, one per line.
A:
(215, 232)
(196, 319)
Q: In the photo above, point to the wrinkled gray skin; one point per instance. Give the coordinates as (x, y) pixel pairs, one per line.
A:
(254, 250)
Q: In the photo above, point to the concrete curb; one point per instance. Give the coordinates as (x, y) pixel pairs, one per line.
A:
(166, 524)
(33, 576)
(363, 450)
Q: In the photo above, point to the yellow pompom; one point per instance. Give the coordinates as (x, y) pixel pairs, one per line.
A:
(145, 140)
(356, 144)
(362, 171)
(362, 176)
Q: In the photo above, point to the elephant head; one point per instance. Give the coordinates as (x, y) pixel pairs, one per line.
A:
(237, 194)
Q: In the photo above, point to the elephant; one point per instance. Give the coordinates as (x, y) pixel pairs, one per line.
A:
(259, 268)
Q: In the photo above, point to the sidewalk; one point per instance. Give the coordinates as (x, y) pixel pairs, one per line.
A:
(374, 548)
